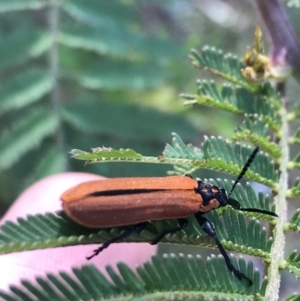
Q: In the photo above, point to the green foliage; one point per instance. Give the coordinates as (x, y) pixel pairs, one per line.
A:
(82, 116)
(226, 66)
(48, 231)
(293, 263)
(102, 75)
(237, 100)
(126, 65)
(108, 153)
(20, 5)
(179, 150)
(294, 223)
(296, 138)
(296, 161)
(294, 191)
(216, 154)
(38, 123)
(32, 85)
(256, 131)
(158, 280)
(33, 43)
(78, 76)
(293, 297)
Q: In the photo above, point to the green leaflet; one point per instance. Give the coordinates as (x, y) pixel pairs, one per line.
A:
(156, 280)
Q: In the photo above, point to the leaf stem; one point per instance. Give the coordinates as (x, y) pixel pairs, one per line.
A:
(277, 252)
(54, 75)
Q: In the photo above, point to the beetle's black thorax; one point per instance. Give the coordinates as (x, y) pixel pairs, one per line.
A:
(211, 192)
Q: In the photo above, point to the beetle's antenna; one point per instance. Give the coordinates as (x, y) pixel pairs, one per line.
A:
(245, 168)
(235, 204)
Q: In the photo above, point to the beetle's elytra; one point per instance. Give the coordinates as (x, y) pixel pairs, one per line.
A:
(126, 201)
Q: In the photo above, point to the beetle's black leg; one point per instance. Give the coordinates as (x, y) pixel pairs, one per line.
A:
(137, 228)
(183, 222)
(208, 228)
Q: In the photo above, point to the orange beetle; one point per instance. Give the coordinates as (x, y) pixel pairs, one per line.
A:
(135, 201)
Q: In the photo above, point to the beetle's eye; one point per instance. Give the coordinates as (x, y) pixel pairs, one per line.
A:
(223, 197)
(222, 190)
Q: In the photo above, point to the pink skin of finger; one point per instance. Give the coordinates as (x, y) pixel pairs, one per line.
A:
(44, 196)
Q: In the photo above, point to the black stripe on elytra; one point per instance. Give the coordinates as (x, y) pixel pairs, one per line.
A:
(124, 192)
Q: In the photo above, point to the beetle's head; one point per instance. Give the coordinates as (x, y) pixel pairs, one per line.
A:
(222, 197)
(218, 196)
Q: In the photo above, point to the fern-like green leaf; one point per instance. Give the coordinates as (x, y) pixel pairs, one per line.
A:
(239, 236)
(294, 223)
(236, 234)
(271, 95)
(179, 153)
(218, 155)
(36, 232)
(296, 112)
(31, 86)
(32, 42)
(255, 131)
(119, 42)
(295, 164)
(113, 41)
(25, 135)
(81, 115)
(159, 280)
(179, 149)
(293, 263)
(52, 162)
(101, 14)
(128, 155)
(226, 66)
(294, 191)
(103, 75)
(293, 297)
(262, 169)
(45, 231)
(109, 154)
(8, 6)
(209, 95)
(255, 126)
(296, 137)
(236, 100)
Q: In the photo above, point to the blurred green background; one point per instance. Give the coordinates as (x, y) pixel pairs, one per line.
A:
(84, 73)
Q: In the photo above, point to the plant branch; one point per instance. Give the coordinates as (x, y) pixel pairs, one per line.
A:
(277, 252)
(54, 74)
